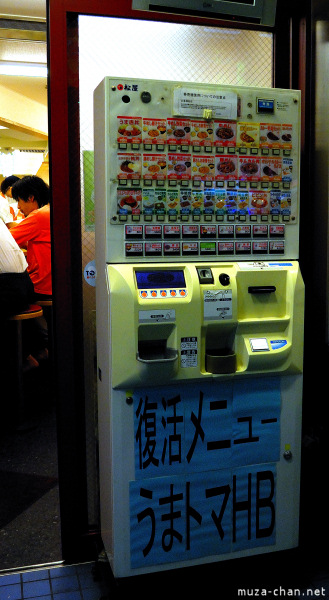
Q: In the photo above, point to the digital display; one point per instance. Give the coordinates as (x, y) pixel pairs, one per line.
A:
(265, 105)
(159, 279)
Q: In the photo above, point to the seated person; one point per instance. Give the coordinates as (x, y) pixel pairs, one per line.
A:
(5, 213)
(16, 288)
(33, 233)
(8, 206)
(6, 185)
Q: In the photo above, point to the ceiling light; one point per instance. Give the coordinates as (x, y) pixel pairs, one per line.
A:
(23, 69)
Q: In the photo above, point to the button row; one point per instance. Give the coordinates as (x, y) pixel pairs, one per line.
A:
(230, 218)
(158, 232)
(171, 249)
(209, 183)
(135, 147)
(171, 293)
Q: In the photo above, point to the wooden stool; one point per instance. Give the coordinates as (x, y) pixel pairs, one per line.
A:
(32, 312)
(45, 302)
(47, 310)
(47, 306)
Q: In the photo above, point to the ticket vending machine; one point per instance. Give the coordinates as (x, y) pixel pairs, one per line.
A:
(200, 307)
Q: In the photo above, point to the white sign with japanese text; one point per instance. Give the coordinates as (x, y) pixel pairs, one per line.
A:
(193, 102)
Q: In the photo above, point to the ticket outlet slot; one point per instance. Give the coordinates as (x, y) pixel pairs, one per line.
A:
(153, 345)
(261, 289)
(157, 350)
(220, 357)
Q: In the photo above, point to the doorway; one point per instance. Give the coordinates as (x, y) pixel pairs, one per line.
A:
(29, 503)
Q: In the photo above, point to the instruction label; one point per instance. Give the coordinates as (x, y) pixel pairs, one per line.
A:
(193, 102)
(217, 304)
(157, 316)
(189, 352)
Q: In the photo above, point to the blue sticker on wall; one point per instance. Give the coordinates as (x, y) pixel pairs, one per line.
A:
(90, 273)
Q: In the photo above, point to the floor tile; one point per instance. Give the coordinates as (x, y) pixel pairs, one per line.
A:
(67, 596)
(65, 584)
(35, 575)
(11, 592)
(87, 579)
(92, 594)
(35, 589)
(72, 582)
(9, 579)
(64, 571)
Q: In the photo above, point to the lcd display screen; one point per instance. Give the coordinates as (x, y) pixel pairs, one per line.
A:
(159, 279)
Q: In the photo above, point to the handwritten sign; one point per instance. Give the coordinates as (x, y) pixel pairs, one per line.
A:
(205, 473)
(190, 429)
(182, 518)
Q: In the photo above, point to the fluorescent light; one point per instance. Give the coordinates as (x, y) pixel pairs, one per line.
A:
(23, 69)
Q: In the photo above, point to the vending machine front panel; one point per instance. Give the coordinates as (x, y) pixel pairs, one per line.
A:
(200, 307)
(196, 171)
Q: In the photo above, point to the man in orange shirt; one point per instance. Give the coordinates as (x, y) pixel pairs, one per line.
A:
(33, 232)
